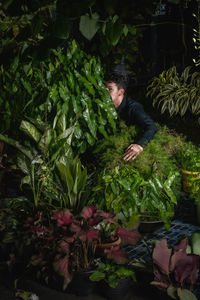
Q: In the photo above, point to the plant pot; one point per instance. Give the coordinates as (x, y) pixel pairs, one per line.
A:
(190, 181)
(119, 292)
(100, 248)
(81, 285)
(109, 245)
(149, 226)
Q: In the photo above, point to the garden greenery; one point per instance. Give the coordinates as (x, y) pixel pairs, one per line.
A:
(176, 93)
(65, 90)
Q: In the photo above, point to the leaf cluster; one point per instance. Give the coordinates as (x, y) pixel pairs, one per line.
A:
(111, 273)
(65, 90)
(176, 93)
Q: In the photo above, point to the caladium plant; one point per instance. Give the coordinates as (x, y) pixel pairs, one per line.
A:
(60, 242)
(175, 271)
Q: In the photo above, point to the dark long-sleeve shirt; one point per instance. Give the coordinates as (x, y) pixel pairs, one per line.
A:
(132, 113)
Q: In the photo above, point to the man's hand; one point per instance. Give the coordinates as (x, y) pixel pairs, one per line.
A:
(132, 152)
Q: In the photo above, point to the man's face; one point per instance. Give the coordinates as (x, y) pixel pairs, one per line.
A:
(115, 93)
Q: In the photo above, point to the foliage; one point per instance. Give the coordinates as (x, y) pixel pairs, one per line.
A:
(38, 158)
(49, 92)
(157, 159)
(57, 241)
(188, 157)
(33, 28)
(55, 177)
(196, 35)
(125, 192)
(112, 273)
(175, 271)
(127, 188)
(176, 93)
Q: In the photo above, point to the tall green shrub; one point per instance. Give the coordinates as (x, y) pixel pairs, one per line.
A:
(65, 90)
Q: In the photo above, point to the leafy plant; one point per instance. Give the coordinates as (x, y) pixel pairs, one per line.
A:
(58, 241)
(44, 148)
(150, 184)
(176, 93)
(188, 157)
(49, 92)
(157, 158)
(151, 199)
(175, 271)
(112, 272)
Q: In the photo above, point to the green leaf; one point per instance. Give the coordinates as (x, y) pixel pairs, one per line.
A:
(97, 276)
(25, 180)
(17, 145)
(125, 30)
(66, 176)
(195, 239)
(27, 86)
(89, 25)
(30, 130)
(24, 164)
(171, 291)
(186, 294)
(14, 65)
(132, 29)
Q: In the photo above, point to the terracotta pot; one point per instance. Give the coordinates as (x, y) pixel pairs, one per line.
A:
(110, 245)
(100, 248)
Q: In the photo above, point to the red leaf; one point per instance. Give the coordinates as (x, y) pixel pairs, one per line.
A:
(75, 228)
(61, 265)
(176, 257)
(95, 220)
(117, 254)
(63, 217)
(128, 236)
(161, 256)
(187, 269)
(88, 211)
(182, 245)
(90, 235)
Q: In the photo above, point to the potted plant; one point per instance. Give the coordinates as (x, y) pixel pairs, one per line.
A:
(113, 274)
(176, 269)
(126, 193)
(188, 158)
(62, 245)
(149, 185)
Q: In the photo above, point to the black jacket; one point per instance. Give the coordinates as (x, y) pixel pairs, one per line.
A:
(132, 113)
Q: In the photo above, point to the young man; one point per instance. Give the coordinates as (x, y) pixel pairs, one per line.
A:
(132, 113)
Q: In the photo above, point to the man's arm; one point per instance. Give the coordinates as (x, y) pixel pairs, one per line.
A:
(138, 116)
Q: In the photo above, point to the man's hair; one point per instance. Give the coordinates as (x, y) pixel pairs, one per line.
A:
(119, 79)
